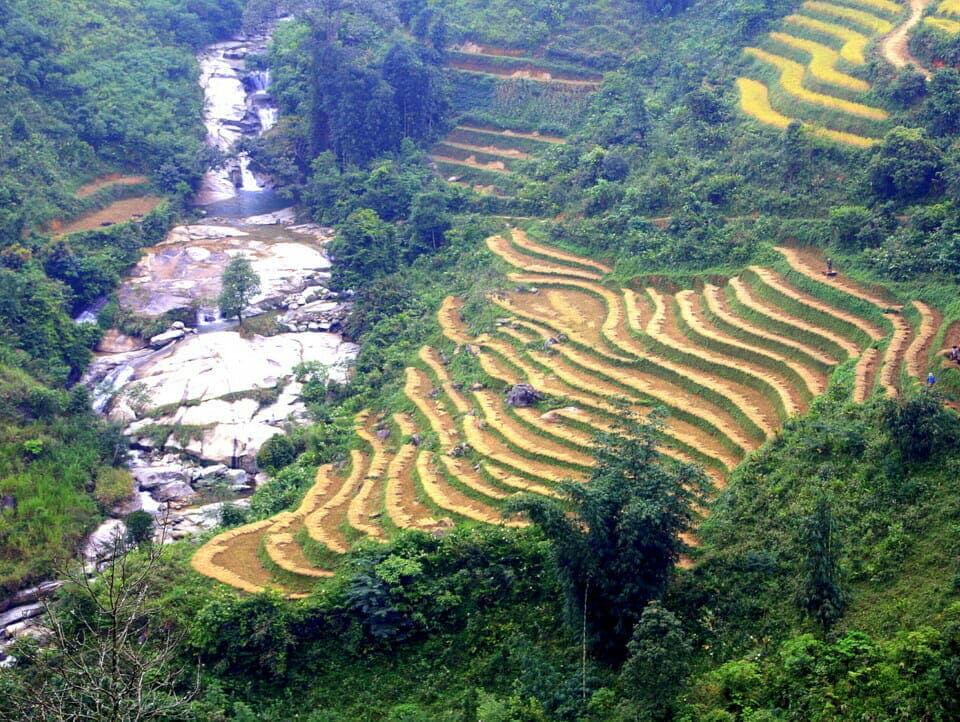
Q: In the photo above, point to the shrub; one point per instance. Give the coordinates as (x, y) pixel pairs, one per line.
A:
(276, 453)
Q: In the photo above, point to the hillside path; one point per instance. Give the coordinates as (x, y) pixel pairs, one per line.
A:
(894, 45)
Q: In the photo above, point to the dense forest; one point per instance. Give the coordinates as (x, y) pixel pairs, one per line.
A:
(781, 548)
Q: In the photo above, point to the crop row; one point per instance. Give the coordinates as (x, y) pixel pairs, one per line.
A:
(949, 7)
(598, 391)
(755, 102)
(945, 24)
(791, 80)
(815, 340)
(885, 7)
(823, 62)
(854, 44)
(802, 264)
(809, 364)
(865, 20)
(794, 383)
(366, 502)
(856, 331)
(918, 354)
(668, 383)
(525, 243)
(894, 355)
(865, 375)
(503, 248)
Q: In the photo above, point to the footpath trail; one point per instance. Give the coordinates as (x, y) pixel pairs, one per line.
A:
(728, 363)
(894, 47)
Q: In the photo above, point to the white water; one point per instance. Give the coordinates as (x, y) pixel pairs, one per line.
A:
(234, 108)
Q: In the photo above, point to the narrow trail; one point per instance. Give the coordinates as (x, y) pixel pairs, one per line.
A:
(894, 48)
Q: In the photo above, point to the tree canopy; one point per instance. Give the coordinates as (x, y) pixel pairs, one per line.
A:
(239, 284)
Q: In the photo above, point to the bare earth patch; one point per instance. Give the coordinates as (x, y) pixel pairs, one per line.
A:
(117, 212)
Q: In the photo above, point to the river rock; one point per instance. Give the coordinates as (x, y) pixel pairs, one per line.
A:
(19, 614)
(153, 476)
(185, 269)
(162, 339)
(207, 474)
(31, 595)
(174, 491)
(238, 478)
(102, 543)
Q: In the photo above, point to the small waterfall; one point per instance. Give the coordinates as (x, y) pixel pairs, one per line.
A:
(248, 181)
(89, 314)
(238, 105)
(207, 316)
(106, 389)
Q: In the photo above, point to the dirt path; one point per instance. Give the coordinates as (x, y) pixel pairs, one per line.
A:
(894, 44)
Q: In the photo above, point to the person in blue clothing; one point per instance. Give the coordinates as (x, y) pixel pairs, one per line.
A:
(931, 379)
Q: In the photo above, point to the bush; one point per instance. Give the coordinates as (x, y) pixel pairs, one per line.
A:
(112, 486)
(278, 452)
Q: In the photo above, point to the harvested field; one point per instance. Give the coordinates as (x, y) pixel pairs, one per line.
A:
(893, 357)
(728, 364)
(441, 493)
(232, 558)
(772, 280)
(865, 375)
(128, 209)
(324, 524)
(813, 265)
(402, 501)
(918, 354)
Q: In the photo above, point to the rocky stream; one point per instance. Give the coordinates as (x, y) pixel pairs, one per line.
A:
(199, 399)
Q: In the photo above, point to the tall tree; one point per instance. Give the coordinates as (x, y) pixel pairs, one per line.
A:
(239, 284)
(616, 551)
(658, 664)
(820, 597)
(365, 248)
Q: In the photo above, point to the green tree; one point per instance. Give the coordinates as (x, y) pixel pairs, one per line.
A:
(820, 597)
(108, 662)
(429, 223)
(616, 552)
(365, 248)
(658, 664)
(905, 166)
(239, 284)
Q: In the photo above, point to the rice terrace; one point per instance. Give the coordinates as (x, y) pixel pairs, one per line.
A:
(729, 360)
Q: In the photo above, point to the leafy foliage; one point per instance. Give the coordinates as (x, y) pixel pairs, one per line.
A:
(239, 284)
(619, 550)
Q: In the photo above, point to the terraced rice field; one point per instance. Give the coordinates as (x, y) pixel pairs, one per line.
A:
(483, 158)
(946, 17)
(815, 60)
(728, 361)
